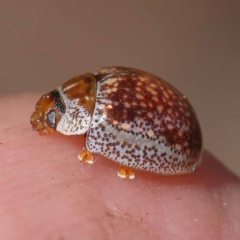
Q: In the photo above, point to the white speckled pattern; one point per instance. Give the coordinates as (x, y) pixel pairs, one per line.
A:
(75, 120)
(136, 141)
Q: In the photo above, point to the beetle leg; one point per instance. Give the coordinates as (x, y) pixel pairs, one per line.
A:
(86, 156)
(126, 173)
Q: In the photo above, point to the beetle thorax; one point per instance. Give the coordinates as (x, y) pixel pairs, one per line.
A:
(79, 96)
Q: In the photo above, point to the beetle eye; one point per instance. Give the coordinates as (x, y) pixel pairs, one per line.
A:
(51, 119)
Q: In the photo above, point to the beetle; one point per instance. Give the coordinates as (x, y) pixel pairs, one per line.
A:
(129, 116)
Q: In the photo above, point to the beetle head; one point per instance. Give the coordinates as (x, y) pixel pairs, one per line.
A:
(47, 113)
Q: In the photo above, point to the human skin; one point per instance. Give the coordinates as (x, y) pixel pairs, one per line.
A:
(46, 193)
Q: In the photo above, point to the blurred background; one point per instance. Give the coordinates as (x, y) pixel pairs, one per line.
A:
(193, 44)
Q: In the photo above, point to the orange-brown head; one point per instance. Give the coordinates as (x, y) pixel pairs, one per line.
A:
(47, 113)
(68, 109)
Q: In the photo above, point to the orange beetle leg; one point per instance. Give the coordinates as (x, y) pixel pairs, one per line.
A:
(86, 156)
(126, 173)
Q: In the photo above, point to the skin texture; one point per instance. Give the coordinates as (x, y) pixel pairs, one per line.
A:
(47, 194)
